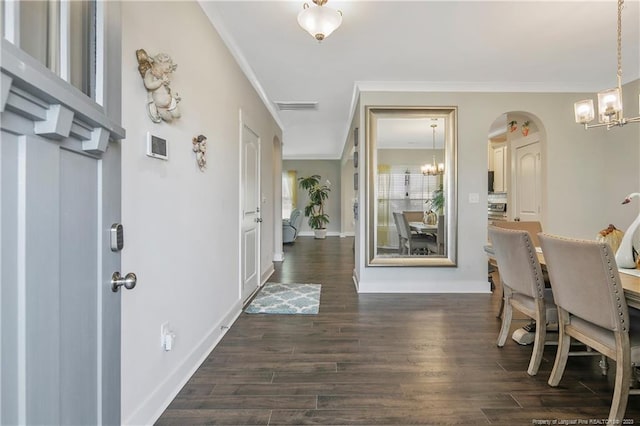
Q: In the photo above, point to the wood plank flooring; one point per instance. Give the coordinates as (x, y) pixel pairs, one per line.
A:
(382, 360)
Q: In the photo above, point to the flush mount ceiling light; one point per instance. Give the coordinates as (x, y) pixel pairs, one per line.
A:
(610, 100)
(319, 20)
(434, 168)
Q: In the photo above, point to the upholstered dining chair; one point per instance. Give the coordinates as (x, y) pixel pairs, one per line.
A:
(437, 243)
(524, 288)
(402, 241)
(533, 227)
(410, 243)
(593, 310)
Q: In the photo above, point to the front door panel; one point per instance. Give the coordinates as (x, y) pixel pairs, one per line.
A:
(250, 268)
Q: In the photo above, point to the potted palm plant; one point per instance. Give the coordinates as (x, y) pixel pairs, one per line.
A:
(437, 203)
(314, 210)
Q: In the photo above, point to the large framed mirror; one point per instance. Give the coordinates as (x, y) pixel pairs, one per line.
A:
(411, 186)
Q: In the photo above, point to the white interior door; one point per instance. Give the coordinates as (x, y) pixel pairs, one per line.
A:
(250, 240)
(499, 168)
(528, 180)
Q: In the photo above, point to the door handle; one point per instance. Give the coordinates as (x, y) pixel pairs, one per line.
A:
(129, 281)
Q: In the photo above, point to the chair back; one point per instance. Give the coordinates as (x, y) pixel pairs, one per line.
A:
(533, 227)
(517, 261)
(403, 226)
(585, 280)
(413, 216)
(440, 236)
(296, 218)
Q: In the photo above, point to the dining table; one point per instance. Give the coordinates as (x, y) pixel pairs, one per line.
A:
(423, 228)
(630, 278)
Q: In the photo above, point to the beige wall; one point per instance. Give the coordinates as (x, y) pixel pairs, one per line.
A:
(182, 226)
(586, 175)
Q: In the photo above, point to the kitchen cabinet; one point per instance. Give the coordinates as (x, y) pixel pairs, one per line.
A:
(499, 162)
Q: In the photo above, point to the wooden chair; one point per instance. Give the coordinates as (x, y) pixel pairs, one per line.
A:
(523, 286)
(411, 243)
(592, 309)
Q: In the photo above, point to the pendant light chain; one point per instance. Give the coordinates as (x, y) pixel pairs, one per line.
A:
(620, 6)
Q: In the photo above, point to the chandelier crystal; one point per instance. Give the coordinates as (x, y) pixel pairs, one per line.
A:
(433, 169)
(610, 100)
(319, 20)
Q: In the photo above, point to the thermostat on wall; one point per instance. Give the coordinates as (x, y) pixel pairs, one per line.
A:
(157, 147)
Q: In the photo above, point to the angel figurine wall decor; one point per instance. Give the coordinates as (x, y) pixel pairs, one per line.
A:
(200, 148)
(155, 71)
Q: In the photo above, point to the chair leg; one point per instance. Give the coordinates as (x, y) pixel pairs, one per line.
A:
(507, 314)
(562, 354)
(620, 390)
(538, 344)
(501, 309)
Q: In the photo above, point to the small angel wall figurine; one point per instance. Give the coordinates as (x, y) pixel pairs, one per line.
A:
(200, 148)
(155, 71)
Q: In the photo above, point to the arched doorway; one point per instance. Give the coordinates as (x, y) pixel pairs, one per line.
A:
(516, 164)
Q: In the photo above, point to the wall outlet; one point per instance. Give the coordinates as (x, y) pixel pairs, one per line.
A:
(166, 337)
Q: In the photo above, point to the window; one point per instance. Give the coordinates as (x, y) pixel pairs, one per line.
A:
(62, 36)
(405, 187)
(289, 192)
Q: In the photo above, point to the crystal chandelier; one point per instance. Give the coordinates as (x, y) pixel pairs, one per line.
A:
(319, 21)
(610, 100)
(434, 168)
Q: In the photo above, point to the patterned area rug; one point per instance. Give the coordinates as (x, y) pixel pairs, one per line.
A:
(281, 298)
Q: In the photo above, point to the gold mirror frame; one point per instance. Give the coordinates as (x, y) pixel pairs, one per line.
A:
(450, 116)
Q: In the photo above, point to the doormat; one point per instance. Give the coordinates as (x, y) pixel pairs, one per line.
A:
(283, 298)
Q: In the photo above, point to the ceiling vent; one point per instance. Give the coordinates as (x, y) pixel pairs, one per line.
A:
(296, 106)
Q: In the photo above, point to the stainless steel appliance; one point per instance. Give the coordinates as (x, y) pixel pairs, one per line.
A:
(497, 211)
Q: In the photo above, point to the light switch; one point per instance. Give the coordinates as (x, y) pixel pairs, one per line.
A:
(474, 198)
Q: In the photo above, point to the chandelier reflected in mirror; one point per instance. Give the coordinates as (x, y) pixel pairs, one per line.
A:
(610, 100)
(433, 169)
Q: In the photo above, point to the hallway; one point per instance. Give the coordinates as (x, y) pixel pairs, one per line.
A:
(380, 360)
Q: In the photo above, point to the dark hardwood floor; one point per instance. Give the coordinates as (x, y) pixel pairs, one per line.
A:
(382, 360)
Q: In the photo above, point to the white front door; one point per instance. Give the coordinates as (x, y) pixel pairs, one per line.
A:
(250, 240)
(60, 316)
(528, 180)
(59, 197)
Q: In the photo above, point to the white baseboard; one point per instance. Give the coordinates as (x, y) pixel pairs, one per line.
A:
(347, 234)
(423, 287)
(158, 401)
(267, 273)
(311, 234)
(278, 257)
